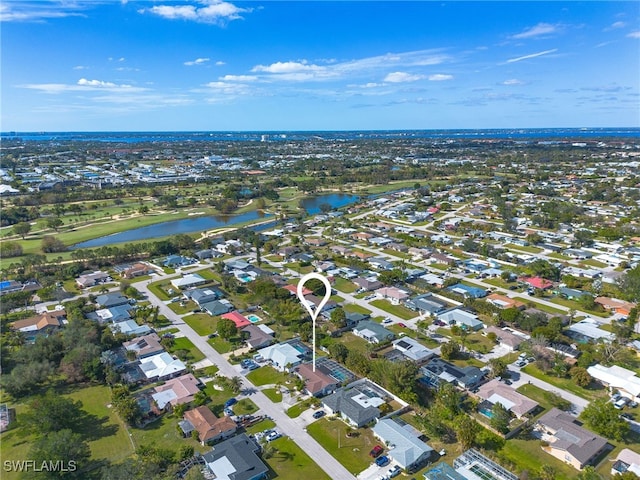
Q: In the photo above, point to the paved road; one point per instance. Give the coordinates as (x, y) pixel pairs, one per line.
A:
(521, 378)
(295, 430)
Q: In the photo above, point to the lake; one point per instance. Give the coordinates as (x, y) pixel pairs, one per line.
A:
(200, 224)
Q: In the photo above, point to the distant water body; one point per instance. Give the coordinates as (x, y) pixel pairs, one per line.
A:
(523, 134)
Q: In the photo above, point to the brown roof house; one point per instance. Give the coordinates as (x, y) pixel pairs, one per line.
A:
(567, 441)
(494, 392)
(506, 337)
(316, 383)
(209, 427)
(176, 391)
(43, 324)
(144, 346)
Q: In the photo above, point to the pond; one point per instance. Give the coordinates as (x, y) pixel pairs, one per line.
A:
(200, 224)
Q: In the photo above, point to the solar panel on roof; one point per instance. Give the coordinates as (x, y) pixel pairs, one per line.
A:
(4, 284)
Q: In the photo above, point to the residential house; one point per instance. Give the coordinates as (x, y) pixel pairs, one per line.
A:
(43, 324)
(537, 282)
(119, 313)
(188, 281)
(176, 261)
(373, 332)
(209, 427)
(258, 336)
(109, 300)
(380, 263)
(471, 465)
(495, 391)
(438, 370)
(237, 318)
(208, 253)
(203, 295)
(412, 350)
(589, 330)
(625, 381)
(129, 327)
(218, 307)
(367, 284)
(357, 404)
(460, 316)
(283, 356)
(137, 270)
(567, 441)
(176, 391)
(315, 241)
(433, 280)
(426, 304)
(92, 279)
(506, 337)
(144, 346)
(466, 291)
(236, 459)
(626, 461)
(614, 305)
(314, 302)
(161, 367)
(393, 294)
(405, 446)
(571, 293)
(316, 383)
(504, 302)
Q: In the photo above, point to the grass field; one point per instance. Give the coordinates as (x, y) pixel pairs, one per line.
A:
(595, 391)
(345, 286)
(273, 394)
(352, 453)
(202, 323)
(354, 308)
(397, 310)
(183, 343)
(290, 462)
(528, 455)
(267, 376)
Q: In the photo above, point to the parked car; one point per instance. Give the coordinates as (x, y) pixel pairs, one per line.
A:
(382, 461)
(273, 436)
(507, 381)
(394, 472)
(402, 325)
(230, 402)
(387, 320)
(375, 451)
(318, 414)
(520, 363)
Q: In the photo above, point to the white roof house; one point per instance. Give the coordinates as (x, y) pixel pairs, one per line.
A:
(161, 366)
(189, 280)
(282, 356)
(589, 329)
(412, 349)
(405, 447)
(619, 378)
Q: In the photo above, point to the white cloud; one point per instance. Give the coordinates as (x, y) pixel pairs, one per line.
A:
(440, 77)
(541, 29)
(213, 11)
(513, 81)
(532, 55)
(401, 77)
(82, 85)
(228, 89)
(287, 67)
(41, 11)
(238, 78)
(197, 61)
(219, 63)
(634, 34)
(618, 25)
(81, 67)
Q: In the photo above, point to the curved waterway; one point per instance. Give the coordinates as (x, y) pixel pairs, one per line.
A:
(199, 224)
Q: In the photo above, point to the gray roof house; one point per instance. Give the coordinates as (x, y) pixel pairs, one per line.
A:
(109, 300)
(426, 303)
(462, 317)
(413, 350)
(439, 370)
(236, 459)
(568, 441)
(356, 406)
(405, 446)
(203, 295)
(372, 332)
(217, 307)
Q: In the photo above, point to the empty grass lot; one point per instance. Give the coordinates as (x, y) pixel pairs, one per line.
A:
(353, 308)
(267, 376)
(202, 323)
(273, 394)
(345, 286)
(593, 392)
(352, 453)
(290, 462)
(397, 310)
(183, 343)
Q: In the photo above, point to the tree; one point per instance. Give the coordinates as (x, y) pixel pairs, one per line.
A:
(235, 384)
(339, 352)
(466, 429)
(547, 472)
(498, 367)
(449, 350)
(227, 329)
(630, 284)
(338, 317)
(54, 222)
(22, 229)
(580, 376)
(63, 446)
(602, 417)
(447, 401)
(500, 418)
(52, 412)
(589, 473)
(51, 244)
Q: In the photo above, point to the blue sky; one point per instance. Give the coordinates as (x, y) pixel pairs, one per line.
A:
(92, 65)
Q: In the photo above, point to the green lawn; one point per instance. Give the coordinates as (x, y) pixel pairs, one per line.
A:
(202, 323)
(183, 343)
(158, 289)
(297, 409)
(354, 308)
(344, 285)
(593, 392)
(273, 394)
(261, 426)
(290, 462)
(352, 453)
(540, 306)
(397, 310)
(576, 306)
(220, 345)
(528, 455)
(267, 376)
(353, 342)
(180, 308)
(245, 407)
(163, 433)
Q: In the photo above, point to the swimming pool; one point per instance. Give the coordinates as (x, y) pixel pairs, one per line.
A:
(253, 318)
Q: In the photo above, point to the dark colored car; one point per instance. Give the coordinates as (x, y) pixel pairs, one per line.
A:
(402, 325)
(375, 451)
(230, 402)
(382, 461)
(318, 414)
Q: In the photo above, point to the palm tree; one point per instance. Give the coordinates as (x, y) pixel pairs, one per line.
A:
(235, 384)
